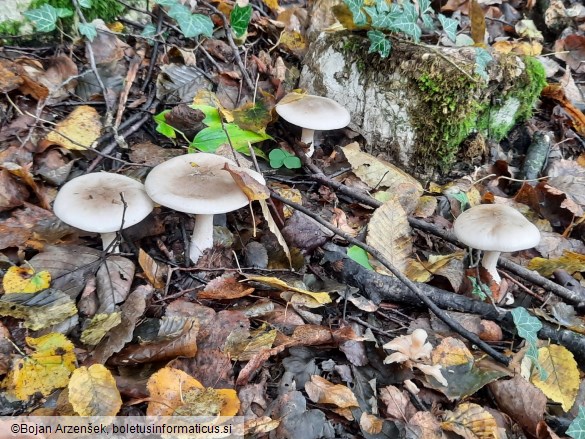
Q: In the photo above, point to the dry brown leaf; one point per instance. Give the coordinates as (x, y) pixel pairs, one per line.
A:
(254, 190)
(371, 424)
(398, 405)
(477, 23)
(155, 272)
(471, 420)
(224, 287)
(322, 391)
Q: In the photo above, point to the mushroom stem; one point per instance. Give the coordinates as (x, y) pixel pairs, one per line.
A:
(202, 237)
(108, 244)
(307, 137)
(489, 261)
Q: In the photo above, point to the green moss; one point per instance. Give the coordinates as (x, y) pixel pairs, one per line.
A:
(10, 27)
(107, 10)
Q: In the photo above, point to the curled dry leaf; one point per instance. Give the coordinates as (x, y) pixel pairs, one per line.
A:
(322, 391)
(78, 131)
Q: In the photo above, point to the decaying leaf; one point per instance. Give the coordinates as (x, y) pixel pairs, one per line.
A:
(46, 369)
(25, 280)
(320, 298)
(471, 420)
(243, 345)
(78, 131)
(99, 326)
(390, 234)
(562, 382)
(254, 190)
(155, 272)
(570, 262)
(39, 310)
(168, 388)
(93, 391)
(322, 391)
(224, 287)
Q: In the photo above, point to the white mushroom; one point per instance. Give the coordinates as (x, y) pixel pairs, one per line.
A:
(95, 203)
(495, 228)
(312, 113)
(198, 184)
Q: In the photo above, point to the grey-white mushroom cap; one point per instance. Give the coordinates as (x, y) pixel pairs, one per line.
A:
(313, 112)
(495, 227)
(197, 184)
(93, 203)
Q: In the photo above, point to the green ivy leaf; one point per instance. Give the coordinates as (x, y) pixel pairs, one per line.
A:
(240, 18)
(166, 2)
(424, 6)
(44, 18)
(355, 6)
(195, 25)
(576, 429)
(528, 327)
(179, 12)
(482, 59)
(149, 30)
(409, 12)
(379, 43)
(409, 27)
(462, 198)
(476, 288)
(449, 26)
(360, 256)
(88, 30)
(85, 3)
(63, 12)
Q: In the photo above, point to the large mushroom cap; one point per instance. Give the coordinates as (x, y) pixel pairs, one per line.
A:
(495, 227)
(197, 184)
(313, 112)
(93, 203)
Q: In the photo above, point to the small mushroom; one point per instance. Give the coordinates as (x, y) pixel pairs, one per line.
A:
(495, 228)
(198, 184)
(95, 203)
(312, 113)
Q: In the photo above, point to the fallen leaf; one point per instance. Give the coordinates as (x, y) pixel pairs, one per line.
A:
(471, 420)
(322, 391)
(562, 382)
(44, 370)
(252, 188)
(93, 392)
(155, 272)
(12, 192)
(570, 261)
(78, 131)
(25, 280)
(321, 298)
(99, 326)
(477, 23)
(397, 403)
(224, 287)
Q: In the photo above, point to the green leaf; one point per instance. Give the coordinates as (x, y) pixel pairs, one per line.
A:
(63, 12)
(355, 6)
(409, 12)
(482, 59)
(212, 137)
(88, 30)
(410, 28)
(424, 6)
(576, 429)
(462, 198)
(360, 256)
(379, 43)
(163, 127)
(44, 18)
(149, 30)
(195, 25)
(240, 18)
(528, 327)
(449, 26)
(476, 288)
(179, 12)
(166, 2)
(277, 157)
(292, 162)
(85, 3)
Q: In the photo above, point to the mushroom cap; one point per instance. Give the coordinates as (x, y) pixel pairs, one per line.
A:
(93, 203)
(196, 183)
(313, 112)
(495, 227)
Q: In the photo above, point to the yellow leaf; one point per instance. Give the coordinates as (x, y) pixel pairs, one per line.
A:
(322, 391)
(528, 48)
(471, 421)
(99, 326)
(272, 4)
(290, 194)
(252, 188)
(93, 392)
(390, 234)
(274, 282)
(78, 131)
(293, 41)
(275, 230)
(155, 272)
(46, 369)
(25, 280)
(243, 345)
(168, 387)
(562, 382)
(569, 261)
(421, 271)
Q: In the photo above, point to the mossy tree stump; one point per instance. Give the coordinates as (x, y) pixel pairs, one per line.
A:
(416, 107)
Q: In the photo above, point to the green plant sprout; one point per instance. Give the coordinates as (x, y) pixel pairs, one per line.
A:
(280, 157)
